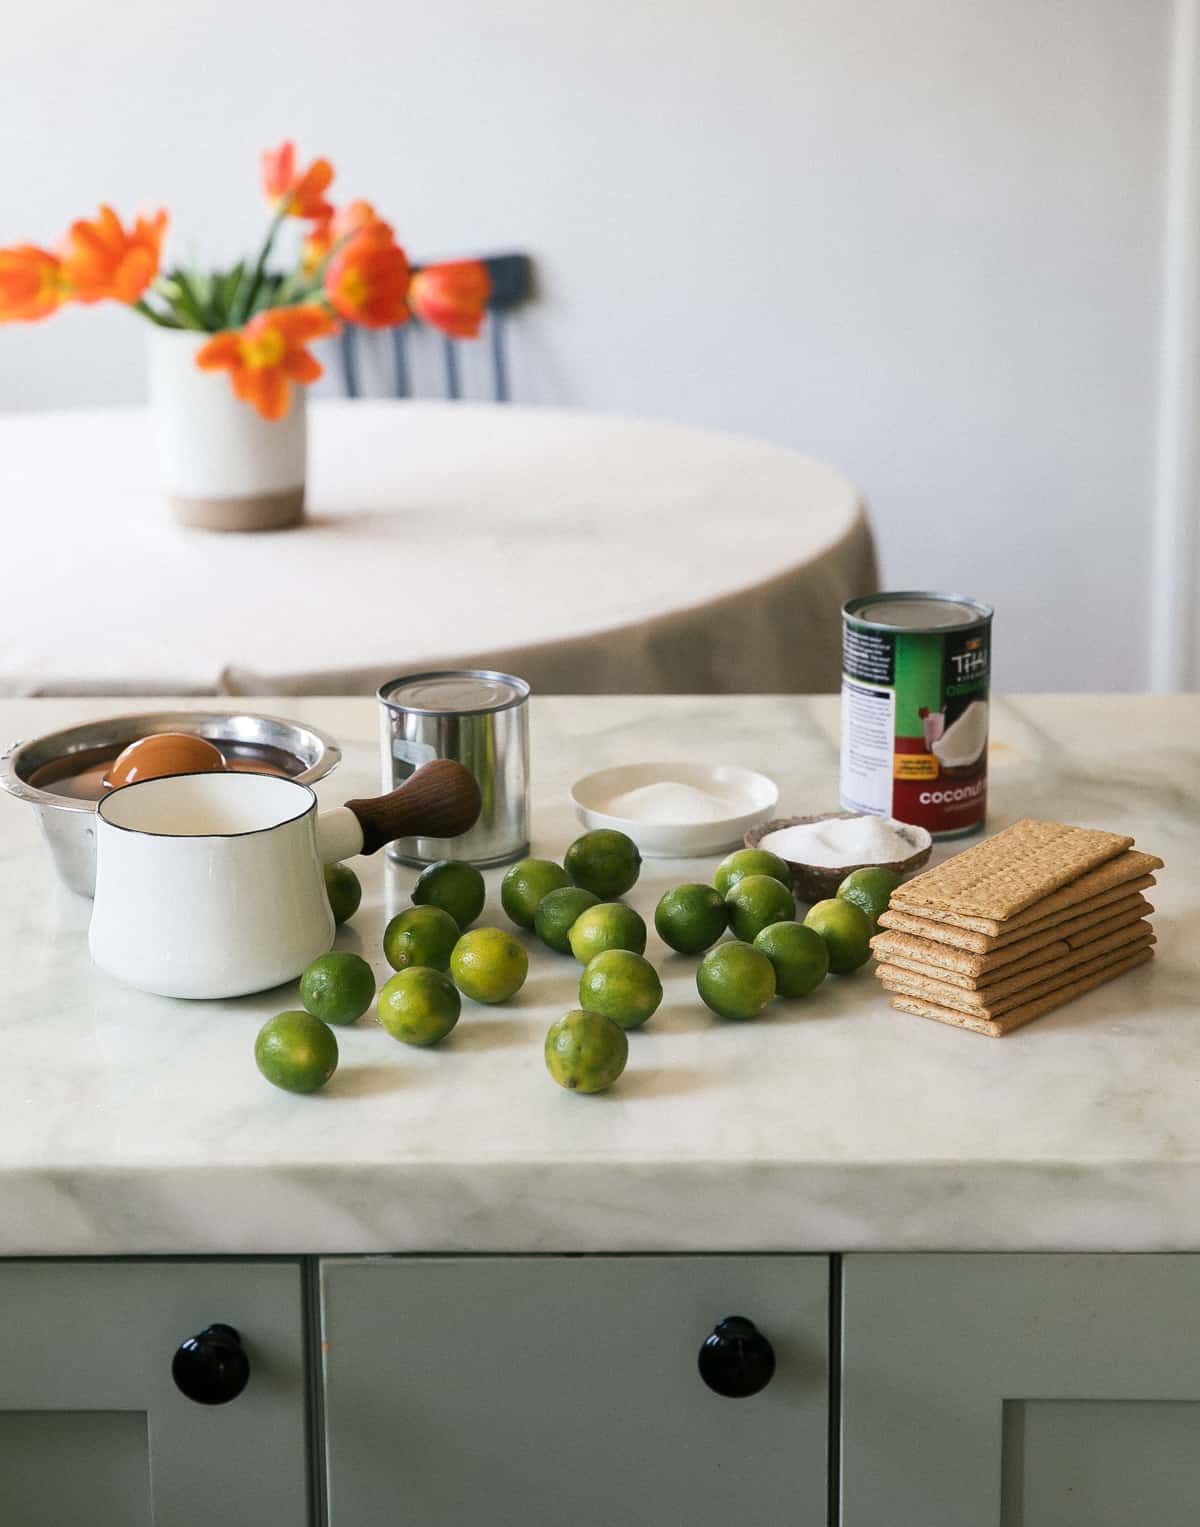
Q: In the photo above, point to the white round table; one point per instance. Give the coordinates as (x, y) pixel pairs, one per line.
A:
(588, 554)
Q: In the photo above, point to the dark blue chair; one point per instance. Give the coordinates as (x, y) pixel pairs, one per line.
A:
(512, 284)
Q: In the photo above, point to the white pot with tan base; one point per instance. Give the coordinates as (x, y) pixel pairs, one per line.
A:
(223, 466)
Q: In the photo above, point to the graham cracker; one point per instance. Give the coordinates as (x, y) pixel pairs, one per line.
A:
(1130, 871)
(1068, 934)
(995, 1000)
(1012, 870)
(996, 1028)
(983, 943)
(1036, 964)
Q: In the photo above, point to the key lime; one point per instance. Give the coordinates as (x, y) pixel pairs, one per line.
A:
(735, 980)
(338, 987)
(871, 890)
(846, 930)
(799, 955)
(296, 1051)
(344, 890)
(420, 936)
(586, 1052)
(455, 887)
(755, 902)
(419, 1005)
(690, 918)
(608, 925)
(750, 861)
(524, 886)
(621, 985)
(605, 862)
(489, 965)
(556, 914)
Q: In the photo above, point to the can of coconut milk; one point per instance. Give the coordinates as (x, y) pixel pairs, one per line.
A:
(915, 671)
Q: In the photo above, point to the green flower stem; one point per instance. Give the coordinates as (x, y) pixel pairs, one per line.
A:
(249, 289)
(298, 288)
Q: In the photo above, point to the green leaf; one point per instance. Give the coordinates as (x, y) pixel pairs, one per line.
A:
(230, 284)
(204, 288)
(163, 320)
(188, 304)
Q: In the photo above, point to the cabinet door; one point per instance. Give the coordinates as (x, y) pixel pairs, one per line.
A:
(518, 1391)
(94, 1431)
(1021, 1391)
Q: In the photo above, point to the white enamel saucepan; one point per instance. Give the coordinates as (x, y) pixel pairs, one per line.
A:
(212, 885)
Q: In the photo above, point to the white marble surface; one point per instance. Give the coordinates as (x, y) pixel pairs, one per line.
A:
(135, 1124)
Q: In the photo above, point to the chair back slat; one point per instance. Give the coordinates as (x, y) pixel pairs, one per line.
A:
(400, 361)
(496, 323)
(349, 355)
(453, 388)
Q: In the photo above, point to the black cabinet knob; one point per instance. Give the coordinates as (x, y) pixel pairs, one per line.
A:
(211, 1368)
(736, 1360)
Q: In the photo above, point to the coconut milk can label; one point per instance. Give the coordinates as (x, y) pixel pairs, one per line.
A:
(915, 725)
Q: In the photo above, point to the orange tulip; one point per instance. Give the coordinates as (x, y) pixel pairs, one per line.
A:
(268, 355)
(329, 232)
(101, 259)
(452, 297)
(367, 279)
(31, 284)
(295, 195)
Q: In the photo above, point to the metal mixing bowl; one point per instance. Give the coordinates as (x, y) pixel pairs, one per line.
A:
(69, 823)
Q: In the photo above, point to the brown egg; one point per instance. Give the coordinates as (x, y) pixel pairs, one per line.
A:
(164, 753)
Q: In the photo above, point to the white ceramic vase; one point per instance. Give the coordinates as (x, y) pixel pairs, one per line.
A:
(223, 466)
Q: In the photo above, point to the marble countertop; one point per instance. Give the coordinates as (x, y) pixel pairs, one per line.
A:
(134, 1124)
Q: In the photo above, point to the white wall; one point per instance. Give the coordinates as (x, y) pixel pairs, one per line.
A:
(921, 238)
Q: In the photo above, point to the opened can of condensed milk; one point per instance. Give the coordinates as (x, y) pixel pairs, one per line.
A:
(480, 719)
(915, 672)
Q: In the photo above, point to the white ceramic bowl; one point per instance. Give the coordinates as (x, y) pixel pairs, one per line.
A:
(746, 799)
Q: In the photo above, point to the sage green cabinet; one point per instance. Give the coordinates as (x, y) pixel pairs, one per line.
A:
(1021, 1391)
(520, 1390)
(94, 1432)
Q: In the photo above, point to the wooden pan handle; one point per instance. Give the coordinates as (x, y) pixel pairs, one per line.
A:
(441, 799)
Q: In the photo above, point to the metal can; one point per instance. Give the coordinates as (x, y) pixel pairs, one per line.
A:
(481, 720)
(915, 671)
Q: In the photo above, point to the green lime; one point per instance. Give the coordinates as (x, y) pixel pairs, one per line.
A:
(420, 936)
(556, 914)
(524, 886)
(799, 955)
(846, 930)
(756, 902)
(455, 887)
(489, 965)
(749, 861)
(344, 890)
(607, 925)
(735, 980)
(691, 917)
(871, 890)
(338, 987)
(419, 1005)
(586, 1052)
(296, 1051)
(621, 985)
(605, 862)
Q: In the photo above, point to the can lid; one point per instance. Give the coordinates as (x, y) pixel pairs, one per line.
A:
(917, 611)
(454, 691)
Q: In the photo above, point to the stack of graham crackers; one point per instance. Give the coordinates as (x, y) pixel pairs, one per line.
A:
(1016, 926)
